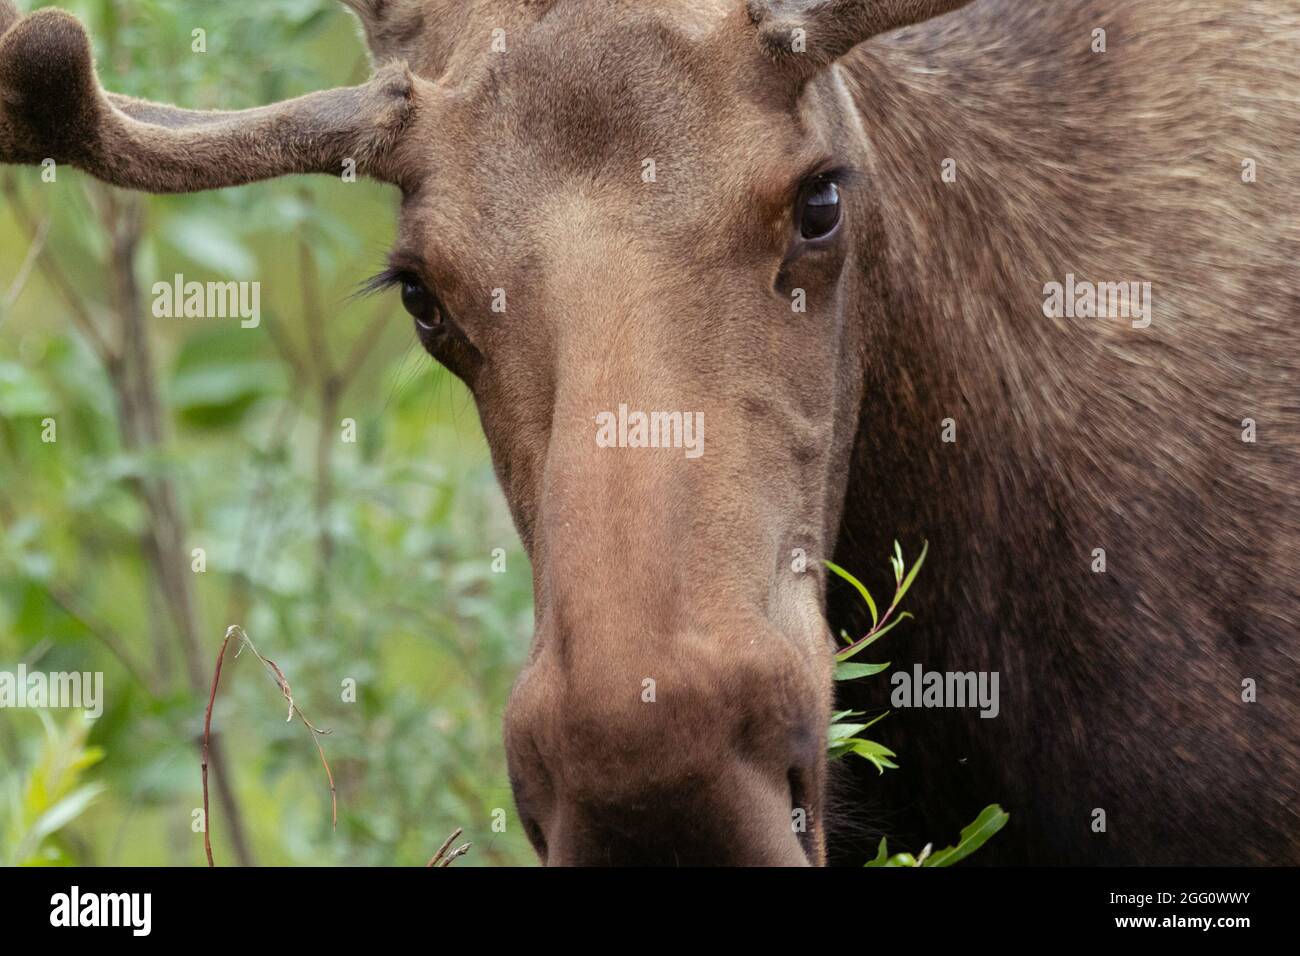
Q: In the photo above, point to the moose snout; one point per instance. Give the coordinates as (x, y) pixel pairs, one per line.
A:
(675, 706)
(703, 751)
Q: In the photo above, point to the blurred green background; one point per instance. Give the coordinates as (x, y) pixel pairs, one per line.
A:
(369, 560)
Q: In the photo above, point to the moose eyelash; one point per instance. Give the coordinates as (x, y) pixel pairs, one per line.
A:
(388, 278)
(846, 175)
(839, 175)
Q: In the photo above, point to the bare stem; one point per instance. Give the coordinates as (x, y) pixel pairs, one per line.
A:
(25, 270)
(80, 311)
(272, 668)
(444, 859)
(207, 737)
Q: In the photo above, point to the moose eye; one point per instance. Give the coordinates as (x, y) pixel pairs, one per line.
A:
(419, 301)
(820, 210)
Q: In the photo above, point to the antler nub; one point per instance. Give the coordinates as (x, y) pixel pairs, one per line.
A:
(807, 35)
(47, 88)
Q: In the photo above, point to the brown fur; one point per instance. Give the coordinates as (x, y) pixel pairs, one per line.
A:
(521, 171)
(1121, 690)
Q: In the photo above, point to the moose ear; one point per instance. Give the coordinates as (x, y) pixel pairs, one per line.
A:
(808, 35)
(52, 107)
(393, 28)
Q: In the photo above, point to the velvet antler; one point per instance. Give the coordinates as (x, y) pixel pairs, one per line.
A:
(807, 35)
(53, 107)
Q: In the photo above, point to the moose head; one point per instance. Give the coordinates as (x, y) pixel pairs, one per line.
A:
(625, 227)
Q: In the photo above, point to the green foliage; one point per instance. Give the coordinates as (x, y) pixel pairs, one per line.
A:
(991, 819)
(844, 737)
(49, 796)
(373, 567)
(845, 725)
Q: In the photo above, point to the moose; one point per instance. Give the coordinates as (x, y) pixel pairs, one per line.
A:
(827, 229)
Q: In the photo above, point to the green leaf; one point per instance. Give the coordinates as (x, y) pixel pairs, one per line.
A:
(911, 575)
(23, 394)
(882, 854)
(841, 731)
(898, 860)
(991, 819)
(862, 588)
(878, 718)
(877, 754)
(65, 811)
(848, 671)
(883, 859)
(870, 749)
(853, 649)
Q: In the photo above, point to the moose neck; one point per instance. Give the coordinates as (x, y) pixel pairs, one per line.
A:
(1070, 432)
(959, 257)
(969, 395)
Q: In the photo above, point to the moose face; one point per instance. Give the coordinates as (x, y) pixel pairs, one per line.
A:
(638, 228)
(642, 238)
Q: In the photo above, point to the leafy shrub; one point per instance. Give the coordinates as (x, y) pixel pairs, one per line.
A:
(847, 725)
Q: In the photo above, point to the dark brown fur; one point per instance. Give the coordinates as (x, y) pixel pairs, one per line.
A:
(1121, 690)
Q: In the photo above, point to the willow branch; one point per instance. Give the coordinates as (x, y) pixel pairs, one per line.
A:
(272, 668)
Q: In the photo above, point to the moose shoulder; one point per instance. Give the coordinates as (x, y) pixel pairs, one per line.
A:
(1010, 277)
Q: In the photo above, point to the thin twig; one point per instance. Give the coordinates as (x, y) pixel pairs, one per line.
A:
(286, 349)
(99, 630)
(102, 632)
(317, 340)
(362, 347)
(443, 849)
(25, 270)
(278, 675)
(439, 860)
(81, 313)
(282, 682)
(207, 736)
(456, 854)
